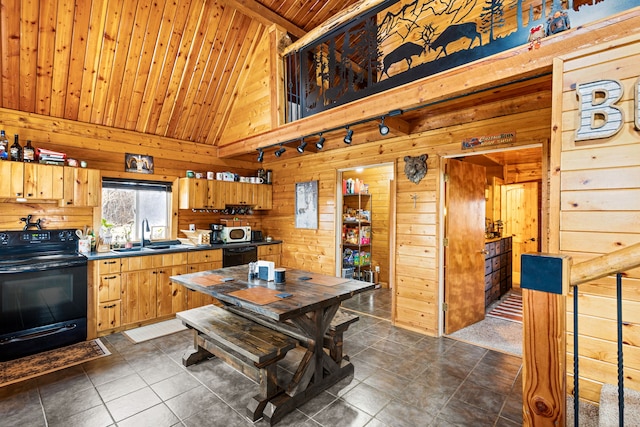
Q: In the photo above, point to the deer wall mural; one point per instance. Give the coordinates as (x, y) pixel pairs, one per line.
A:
(403, 41)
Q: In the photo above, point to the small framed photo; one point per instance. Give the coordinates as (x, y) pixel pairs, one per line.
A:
(138, 163)
(158, 232)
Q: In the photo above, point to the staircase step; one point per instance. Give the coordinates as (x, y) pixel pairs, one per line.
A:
(609, 406)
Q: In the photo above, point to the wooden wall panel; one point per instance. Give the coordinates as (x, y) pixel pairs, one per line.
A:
(416, 234)
(251, 112)
(599, 213)
(104, 148)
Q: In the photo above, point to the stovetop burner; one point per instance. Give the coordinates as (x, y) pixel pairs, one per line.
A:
(38, 249)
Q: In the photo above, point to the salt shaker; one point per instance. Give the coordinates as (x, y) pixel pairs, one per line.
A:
(251, 275)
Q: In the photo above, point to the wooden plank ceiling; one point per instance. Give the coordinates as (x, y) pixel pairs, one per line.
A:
(163, 67)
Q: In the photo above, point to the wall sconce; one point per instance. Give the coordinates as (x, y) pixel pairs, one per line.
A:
(260, 155)
(320, 143)
(302, 146)
(347, 138)
(384, 129)
(280, 151)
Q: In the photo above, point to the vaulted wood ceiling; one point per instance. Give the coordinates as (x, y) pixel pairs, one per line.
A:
(161, 67)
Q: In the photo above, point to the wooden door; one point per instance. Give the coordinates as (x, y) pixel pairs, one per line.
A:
(170, 296)
(520, 216)
(464, 253)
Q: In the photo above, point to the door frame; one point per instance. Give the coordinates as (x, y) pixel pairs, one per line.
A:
(544, 208)
(392, 219)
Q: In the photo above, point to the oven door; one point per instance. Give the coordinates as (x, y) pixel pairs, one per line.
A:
(42, 309)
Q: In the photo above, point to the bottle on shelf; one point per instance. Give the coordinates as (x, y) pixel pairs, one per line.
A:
(28, 152)
(15, 151)
(4, 146)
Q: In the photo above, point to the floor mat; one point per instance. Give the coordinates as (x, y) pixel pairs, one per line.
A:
(509, 308)
(149, 332)
(493, 333)
(35, 365)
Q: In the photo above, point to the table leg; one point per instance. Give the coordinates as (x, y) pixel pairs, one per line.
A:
(316, 372)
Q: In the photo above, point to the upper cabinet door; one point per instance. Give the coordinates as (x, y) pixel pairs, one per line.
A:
(81, 187)
(11, 184)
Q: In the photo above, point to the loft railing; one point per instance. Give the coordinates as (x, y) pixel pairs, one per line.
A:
(396, 42)
(545, 282)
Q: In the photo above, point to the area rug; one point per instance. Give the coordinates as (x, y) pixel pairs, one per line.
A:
(509, 308)
(35, 365)
(156, 330)
(493, 333)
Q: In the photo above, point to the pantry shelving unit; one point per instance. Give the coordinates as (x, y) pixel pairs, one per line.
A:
(356, 236)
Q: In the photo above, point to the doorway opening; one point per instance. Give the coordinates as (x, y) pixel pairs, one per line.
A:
(486, 226)
(365, 218)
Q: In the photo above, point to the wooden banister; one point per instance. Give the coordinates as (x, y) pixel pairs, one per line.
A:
(544, 340)
(611, 263)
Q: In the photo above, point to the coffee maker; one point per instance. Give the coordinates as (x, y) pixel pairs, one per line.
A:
(216, 233)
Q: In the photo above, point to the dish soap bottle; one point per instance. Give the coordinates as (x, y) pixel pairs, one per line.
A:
(28, 153)
(4, 146)
(16, 150)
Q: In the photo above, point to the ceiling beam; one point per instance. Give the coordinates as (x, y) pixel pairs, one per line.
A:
(265, 16)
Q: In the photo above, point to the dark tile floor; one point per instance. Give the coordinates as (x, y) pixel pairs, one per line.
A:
(401, 379)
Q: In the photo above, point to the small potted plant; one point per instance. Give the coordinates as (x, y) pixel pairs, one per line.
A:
(127, 235)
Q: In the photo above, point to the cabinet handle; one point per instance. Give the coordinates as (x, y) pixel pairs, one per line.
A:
(484, 251)
(110, 277)
(109, 306)
(109, 262)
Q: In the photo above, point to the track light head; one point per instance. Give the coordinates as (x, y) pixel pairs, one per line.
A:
(260, 155)
(348, 137)
(280, 151)
(320, 143)
(302, 146)
(384, 129)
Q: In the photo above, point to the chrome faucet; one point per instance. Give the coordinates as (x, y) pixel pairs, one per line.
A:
(145, 222)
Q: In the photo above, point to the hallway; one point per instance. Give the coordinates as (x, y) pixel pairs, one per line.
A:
(401, 379)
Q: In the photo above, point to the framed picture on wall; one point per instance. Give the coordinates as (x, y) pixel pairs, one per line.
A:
(307, 204)
(138, 163)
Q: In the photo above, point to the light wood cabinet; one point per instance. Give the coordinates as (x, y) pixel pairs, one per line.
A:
(147, 292)
(109, 291)
(31, 181)
(134, 290)
(263, 197)
(12, 183)
(82, 187)
(270, 253)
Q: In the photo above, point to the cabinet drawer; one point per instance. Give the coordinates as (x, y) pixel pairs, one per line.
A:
(268, 250)
(495, 262)
(487, 282)
(109, 316)
(107, 266)
(110, 287)
(495, 278)
(204, 256)
(487, 266)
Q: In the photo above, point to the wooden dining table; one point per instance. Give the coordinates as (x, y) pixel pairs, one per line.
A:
(304, 304)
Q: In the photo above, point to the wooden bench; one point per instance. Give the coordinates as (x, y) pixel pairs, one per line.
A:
(333, 338)
(251, 348)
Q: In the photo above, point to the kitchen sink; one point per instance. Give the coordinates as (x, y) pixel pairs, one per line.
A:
(156, 247)
(134, 249)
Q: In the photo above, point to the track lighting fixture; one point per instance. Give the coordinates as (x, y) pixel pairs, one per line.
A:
(302, 146)
(320, 143)
(384, 129)
(347, 138)
(280, 151)
(260, 155)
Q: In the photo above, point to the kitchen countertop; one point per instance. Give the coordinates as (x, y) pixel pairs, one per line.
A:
(173, 246)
